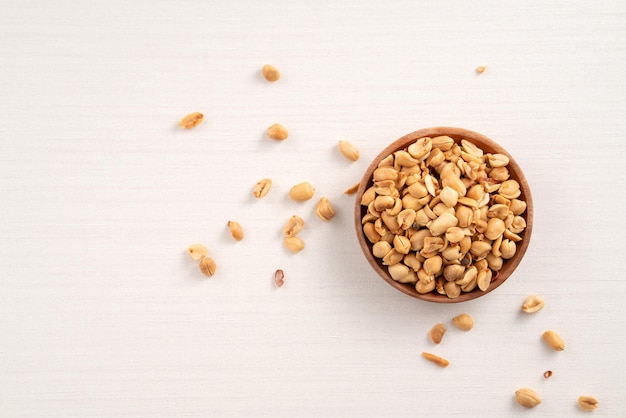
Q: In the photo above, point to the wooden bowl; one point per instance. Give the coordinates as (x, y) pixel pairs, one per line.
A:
(488, 146)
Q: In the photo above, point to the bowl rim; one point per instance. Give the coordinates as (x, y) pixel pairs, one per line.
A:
(488, 145)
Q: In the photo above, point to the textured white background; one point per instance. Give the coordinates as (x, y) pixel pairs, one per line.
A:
(102, 313)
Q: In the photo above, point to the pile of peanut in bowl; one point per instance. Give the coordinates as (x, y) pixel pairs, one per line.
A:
(444, 214)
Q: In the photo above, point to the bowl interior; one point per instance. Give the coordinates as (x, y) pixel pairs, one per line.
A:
(488, 146)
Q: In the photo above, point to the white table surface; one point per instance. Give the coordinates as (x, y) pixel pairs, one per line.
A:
(103, 314)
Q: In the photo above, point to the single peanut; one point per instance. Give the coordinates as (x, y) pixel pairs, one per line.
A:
(554, 340)
(270, 73)
(207, 266)
(294, 244)
(481, 69)
(439, 361)
(463, 322)
(235, 230)
(587, 403)
(532, 304)
(352, 189)
(324, 209)
(277, 131)
(293, 226)
(301, 192)
(279, 278)
(197, 251)
(191, 120)
(528, 398)
(348, 150)
(262, 188)
(436, 333)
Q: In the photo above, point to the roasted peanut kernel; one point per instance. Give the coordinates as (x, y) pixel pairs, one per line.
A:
(517, 207)
(398, 271)
(385, 173)
(191, 120)
(381, 248)
(587, 403)
(404, 159)
(401, 244)
(352, 189)
(554, 340)
(452, 289)
(498, 160)
(368, 196)
(528, 398)
(392, 257)
(484, 279)
(420, 148)
(452, 254)
(423, 287)
(197, 251)
(436, 333)
(439, 361)
(480, 69)
(495, 228)
(278, 132)
(294, 225)
(235, 230)
(324, 209)
(294, 244)
(440, 225)
(348, 150)
(370, 232)
(301, 192)
(532, 304)
(463, 322)
(262, 188)
(207, 266)
(509, 189)
(444, 143)
(270, 73)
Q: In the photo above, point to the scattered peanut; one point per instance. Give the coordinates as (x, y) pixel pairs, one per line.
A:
(528, 398)
(191, 120)
(235, 230)
(348, 150)
(481, 69)
(451, 200)
(554, 340)
(262, 188)
(352, 189)
(270, 73)
(587, 403)
(294, 244)
(532, 304)
(293, 226)
(301, 192)
(547, 374)
(463, 322)
(277, 131)
(207, 266)
(197, 251)
(439, 361)
(279, 277)
(436, 333)
(324, 209)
